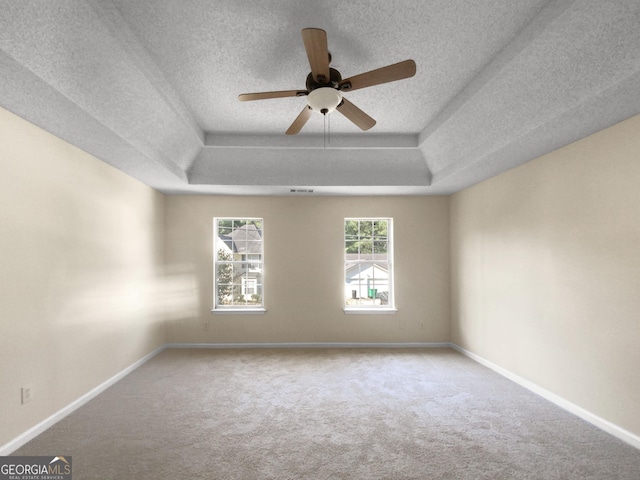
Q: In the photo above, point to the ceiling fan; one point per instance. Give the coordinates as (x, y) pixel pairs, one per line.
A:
(324, 85)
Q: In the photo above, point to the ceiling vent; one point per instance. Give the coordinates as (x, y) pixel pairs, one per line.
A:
(301, 190)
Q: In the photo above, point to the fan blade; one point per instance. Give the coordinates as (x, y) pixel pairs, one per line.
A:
(357, 116)
(300, 120)
(245, 97)
(387, 74)
(315, 43)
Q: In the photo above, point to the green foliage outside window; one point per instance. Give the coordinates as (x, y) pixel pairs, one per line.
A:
(366, 236)
(224, 276)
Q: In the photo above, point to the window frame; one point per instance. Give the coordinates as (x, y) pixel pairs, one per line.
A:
(390, 307)
(246, 262)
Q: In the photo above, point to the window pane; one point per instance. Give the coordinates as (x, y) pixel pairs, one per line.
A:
(224, 254)
(225, 227)
(380, 246)
(351, 229)
(365, 229)
(351, 246)
(380, 250)
(257, 224)
(380, 229)
(238, 298)
(366, 246)
(253, 247)
(251, 288)
(224, 272)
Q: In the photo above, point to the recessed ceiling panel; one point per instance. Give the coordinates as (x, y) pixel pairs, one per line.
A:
(151, 87)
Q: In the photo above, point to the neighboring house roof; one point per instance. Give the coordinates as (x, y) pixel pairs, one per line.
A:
(364, 259)
(244, 240)
(227, 243)
(356, 269)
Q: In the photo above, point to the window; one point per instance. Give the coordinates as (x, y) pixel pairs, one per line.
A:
(249, 286)
(238, 260)
(368, 264)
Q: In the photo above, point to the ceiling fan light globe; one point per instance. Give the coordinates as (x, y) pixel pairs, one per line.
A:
(324, 98)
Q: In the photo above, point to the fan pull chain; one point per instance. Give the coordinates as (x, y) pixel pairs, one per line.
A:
(324, 132)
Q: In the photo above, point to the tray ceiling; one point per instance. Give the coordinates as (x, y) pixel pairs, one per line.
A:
(151, 87)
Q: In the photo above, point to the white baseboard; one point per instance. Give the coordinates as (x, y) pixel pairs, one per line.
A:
(310, 345)
(33, 432)
(607, 426)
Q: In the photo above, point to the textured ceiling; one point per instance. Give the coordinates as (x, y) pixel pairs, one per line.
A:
(151, 87)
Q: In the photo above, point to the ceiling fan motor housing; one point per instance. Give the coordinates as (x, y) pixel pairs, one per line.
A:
(334, 80)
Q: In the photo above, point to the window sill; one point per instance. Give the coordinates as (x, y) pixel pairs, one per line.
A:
(239, 311)
(369, 311)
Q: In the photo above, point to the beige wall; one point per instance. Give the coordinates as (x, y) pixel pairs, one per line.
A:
(304, 269)
(546, 272)
(544, 280)
(81, 249)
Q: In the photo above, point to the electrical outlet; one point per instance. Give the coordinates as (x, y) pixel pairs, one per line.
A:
(27, 394)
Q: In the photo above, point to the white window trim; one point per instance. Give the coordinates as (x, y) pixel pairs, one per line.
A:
(366, 309)
(232, 309)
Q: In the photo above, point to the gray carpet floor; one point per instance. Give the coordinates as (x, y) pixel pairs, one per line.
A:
(328, 414)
